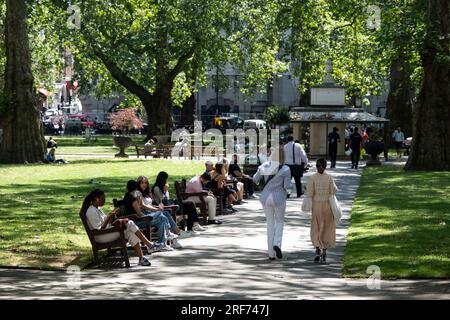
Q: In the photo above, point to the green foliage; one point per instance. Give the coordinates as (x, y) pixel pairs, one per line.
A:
(276, 115)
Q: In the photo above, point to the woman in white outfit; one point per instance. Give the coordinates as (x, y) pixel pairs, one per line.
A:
(97, 219)
(277, 179)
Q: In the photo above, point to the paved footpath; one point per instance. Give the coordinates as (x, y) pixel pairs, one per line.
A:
(230, 262)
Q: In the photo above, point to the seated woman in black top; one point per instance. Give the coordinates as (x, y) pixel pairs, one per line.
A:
(133, 206)
(161, 195)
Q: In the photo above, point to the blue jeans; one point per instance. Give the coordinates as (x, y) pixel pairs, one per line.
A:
(159, 221)
(172, 223)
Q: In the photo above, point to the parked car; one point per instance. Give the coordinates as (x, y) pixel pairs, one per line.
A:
(255, 124)
(224, 123)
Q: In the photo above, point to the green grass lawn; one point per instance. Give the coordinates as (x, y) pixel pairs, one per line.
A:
(101, 144)
(39, 205)
(400, 222)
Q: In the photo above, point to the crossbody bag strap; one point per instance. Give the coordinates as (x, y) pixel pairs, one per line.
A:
(293, 153)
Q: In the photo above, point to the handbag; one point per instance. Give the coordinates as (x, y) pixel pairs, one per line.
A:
(336, 208)
(307, 204)
(120, 224)
(349, 151)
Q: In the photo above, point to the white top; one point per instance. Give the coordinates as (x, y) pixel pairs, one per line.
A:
(277, 186)
(300, 154)
(95, 218)
(398, 136)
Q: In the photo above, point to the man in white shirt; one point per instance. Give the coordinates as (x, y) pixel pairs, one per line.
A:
(296, 160)
(399, 139)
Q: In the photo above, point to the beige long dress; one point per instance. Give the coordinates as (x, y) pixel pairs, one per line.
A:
(323, 226)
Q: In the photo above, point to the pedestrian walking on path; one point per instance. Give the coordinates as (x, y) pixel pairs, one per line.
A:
(356, 146)
(333, 140)
(277, 180)
(323, 226)
(297, 160)
(399, 140)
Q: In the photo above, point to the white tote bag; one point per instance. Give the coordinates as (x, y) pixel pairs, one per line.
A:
(307, 204)
(336, 208)
(349, 152)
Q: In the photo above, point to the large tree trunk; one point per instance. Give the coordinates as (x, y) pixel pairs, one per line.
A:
(399, 101)
(23, 139)
(430, 147)
(187, 111)
(159, 111)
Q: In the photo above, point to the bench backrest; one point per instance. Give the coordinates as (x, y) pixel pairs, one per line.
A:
(86, 227)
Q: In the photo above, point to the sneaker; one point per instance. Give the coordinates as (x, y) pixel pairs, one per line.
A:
(251, 197)
(150, 248)
(227, 211)
(214, 222)
(176, 244)
(166, 248)
(198, 227)
(172, 236)
(278, 252)
(193, 233)
(144, 262)
(183, 234)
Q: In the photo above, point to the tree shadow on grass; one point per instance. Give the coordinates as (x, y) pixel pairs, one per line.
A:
(47, 224)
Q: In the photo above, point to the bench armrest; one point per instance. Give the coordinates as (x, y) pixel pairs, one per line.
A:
(97, 232)
(195, 194)
(135, 217)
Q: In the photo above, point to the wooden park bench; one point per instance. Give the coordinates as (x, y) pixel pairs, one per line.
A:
(147, 151)
(119, 243)
(180, 189)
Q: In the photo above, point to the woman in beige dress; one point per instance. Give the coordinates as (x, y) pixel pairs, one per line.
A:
(323, 227)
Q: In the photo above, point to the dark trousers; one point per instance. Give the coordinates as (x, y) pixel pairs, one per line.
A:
(333, 154)
(248, 185)
(356, 154)
(298, 182)
(189, 209)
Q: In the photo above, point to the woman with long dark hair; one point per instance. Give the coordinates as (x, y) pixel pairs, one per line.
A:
(160, 192)
(147, 201)
(134, 204)
(97, 219)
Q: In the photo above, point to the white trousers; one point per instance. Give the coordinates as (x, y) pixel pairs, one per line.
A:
(129, 233)
(275, 224)
(211, 203)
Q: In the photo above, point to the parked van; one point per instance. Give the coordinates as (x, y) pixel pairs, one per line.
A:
(255, 124)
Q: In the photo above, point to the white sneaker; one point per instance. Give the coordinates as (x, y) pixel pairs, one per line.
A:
(171, 236)
(198, 227)
(166, 248)
(183, 234)
(144, 262)
(176, 244)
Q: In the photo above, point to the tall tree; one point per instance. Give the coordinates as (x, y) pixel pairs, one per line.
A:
(400, 98)
(147, 46)
(430, 148)
(23, 140)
